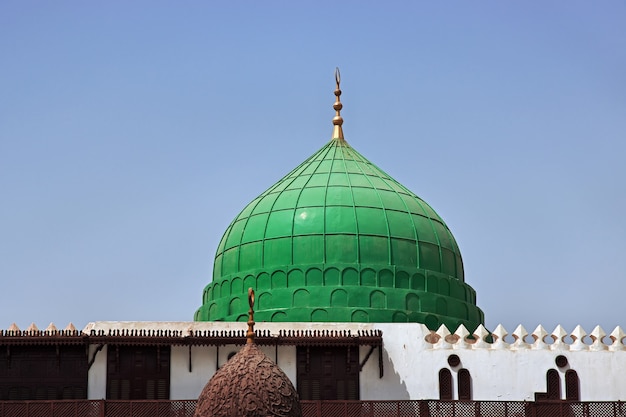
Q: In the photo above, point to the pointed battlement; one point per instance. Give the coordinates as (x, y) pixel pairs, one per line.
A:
(33, 331)
(539, 339)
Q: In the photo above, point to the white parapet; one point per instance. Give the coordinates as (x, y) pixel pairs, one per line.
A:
(480, 339)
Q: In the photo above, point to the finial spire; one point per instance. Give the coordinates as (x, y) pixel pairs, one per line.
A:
(250, 333)
(337, 120)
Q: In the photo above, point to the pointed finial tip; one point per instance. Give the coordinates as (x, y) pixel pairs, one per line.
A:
(337, 106)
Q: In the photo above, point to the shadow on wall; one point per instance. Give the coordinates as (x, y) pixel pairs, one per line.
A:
(390, 387)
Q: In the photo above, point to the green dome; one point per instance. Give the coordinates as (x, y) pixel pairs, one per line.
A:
(338, 239)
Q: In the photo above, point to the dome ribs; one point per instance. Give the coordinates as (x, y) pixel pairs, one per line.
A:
(339, 240)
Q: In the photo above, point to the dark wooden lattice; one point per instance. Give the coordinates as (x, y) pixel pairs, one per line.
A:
(43, 373)
(445, 384)
(138, 372)
(465, 385)
(328, 373)
(572, 387)
(553, 383)
(407, 408)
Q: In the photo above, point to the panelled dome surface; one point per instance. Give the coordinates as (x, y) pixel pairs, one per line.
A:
(339, 240)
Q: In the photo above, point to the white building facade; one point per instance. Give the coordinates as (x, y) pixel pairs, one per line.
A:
(416, 363)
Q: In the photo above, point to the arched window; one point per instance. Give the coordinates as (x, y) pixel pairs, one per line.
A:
(465, 384)
(445, 384)
(553, 383)
(572, 386)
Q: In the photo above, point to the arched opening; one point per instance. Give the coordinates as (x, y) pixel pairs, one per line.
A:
(465, 385)
(445, 384)
(572, 386)
(553, 383)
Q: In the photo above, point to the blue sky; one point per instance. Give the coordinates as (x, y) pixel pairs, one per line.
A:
(132, 133)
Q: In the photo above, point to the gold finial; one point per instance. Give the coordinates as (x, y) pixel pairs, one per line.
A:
(337, 120)
(250, 333)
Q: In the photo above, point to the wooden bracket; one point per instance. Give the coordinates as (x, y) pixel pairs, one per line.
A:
(189, 358)
(362, 364)
(380, 361)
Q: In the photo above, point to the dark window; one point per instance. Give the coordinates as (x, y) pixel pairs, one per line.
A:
(561, 361)
(465, 384)
(43, 373)
(328, 373)
(138, 373)
(572, 387)
(445, 384)
(553, 382)
(454, 360)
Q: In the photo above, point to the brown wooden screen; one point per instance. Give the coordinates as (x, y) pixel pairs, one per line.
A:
(43, 373)
(445, 384)
(426, 408)
(572, 390)
(553, 382)
(465, 385)
(138, 372)
(328, 373)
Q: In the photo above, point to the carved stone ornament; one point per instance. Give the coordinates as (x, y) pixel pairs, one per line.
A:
(249, 384)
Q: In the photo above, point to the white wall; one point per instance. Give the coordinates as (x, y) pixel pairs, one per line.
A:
(185, 385)
(499, 371)
(97, 377)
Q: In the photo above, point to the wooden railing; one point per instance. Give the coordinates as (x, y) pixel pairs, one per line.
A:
(421, 408)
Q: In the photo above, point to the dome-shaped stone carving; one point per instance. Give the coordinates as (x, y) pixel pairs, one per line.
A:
(249, 384)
